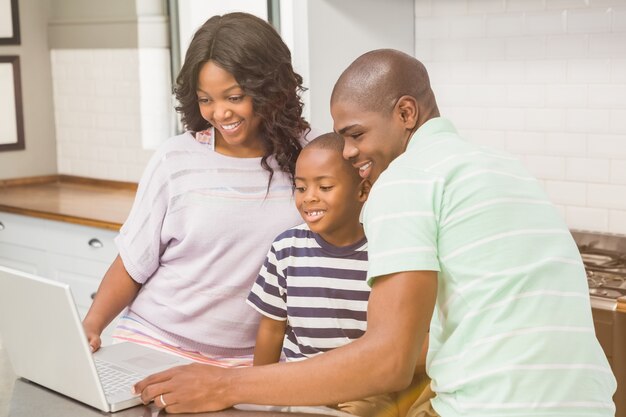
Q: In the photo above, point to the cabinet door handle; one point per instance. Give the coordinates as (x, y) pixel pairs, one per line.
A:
(1, 226)
(95, 243)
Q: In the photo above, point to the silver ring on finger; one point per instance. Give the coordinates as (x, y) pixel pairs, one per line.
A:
(162, 401)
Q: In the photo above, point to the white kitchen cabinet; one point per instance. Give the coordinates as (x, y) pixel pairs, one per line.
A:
(21, 257)
(70, 253)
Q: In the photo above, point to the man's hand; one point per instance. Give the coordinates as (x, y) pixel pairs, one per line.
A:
(186, 389)
(399, 312)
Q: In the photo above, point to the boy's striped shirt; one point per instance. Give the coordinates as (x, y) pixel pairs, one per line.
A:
(318, 288)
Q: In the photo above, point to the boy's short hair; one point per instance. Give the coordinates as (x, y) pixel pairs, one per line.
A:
(334, 142)
(330, 140)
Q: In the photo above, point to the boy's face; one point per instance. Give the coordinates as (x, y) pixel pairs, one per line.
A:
(371, 139)
(329, 195)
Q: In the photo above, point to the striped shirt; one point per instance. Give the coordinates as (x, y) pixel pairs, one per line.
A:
(319, 289)
(196, 237)
(512, 332)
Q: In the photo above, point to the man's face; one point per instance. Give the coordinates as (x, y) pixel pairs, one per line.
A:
(371, 139)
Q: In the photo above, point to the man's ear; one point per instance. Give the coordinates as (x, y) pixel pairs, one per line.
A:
(408, 111)
(364, 190)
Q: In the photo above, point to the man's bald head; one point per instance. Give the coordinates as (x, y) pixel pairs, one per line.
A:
(377, 79)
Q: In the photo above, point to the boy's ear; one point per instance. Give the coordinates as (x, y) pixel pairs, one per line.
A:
(364, 190)
(408, 111)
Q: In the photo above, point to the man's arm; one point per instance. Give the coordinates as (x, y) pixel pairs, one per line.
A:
(382, 360)
(420, 366)
(269, 341)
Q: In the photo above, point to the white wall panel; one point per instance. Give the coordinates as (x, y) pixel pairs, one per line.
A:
(546, 81)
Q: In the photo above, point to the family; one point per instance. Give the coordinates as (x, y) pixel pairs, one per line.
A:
(340, 268)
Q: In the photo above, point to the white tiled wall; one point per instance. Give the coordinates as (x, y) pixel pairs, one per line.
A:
(542, 79)
(100, 113)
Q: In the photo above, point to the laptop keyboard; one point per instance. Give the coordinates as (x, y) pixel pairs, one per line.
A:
(116, 380)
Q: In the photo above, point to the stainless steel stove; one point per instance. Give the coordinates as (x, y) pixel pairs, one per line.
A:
(604, 256)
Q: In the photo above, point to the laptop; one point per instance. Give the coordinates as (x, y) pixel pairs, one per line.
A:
(42, 333)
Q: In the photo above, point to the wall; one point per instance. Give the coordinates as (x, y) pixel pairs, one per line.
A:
(327, 35)
(109, 68)
(39, 156)
(93, 24)
(111, 77)
(543, 79)
(96, 102)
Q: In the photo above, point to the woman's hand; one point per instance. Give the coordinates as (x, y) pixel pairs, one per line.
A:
(93, 336)
(186, 389)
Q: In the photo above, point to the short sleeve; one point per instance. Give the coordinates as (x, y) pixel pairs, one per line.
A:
(401, 222)
(268, 295)
(140, 243)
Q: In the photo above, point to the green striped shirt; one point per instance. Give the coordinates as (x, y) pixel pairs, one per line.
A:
(512, 332)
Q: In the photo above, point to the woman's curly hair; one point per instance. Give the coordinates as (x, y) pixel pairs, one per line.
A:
(253, 52)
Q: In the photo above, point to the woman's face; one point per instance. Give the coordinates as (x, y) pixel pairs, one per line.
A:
(224, 104)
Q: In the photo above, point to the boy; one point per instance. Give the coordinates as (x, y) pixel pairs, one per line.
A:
(312, 289)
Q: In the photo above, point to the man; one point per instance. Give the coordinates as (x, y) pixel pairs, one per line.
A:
(456, 230)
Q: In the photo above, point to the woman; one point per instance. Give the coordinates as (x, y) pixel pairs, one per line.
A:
(211, 200)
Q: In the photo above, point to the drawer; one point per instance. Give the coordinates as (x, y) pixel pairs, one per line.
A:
(58, 237)
(20, 230)
(83, 276)
(22, 258)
